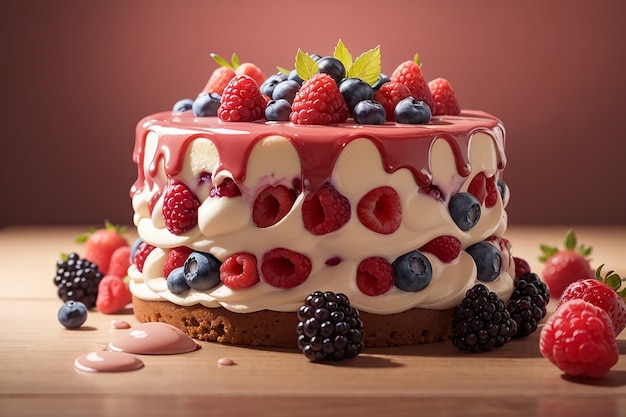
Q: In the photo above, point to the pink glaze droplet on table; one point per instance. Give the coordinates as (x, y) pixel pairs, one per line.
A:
(107, 361)
(153, 338)
(120, 324)
(226, 362)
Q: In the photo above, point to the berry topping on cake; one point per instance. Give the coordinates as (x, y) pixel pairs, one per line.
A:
(331, 66)
(176, 282)
(481, 321)
(319, 102)
(564, 266)
(492, 192)
(278, 110)
(446, 248)
(284, 268)
(478, 187)
(329, 329)
(380, 210)
(488, 260)
(444, 97)
(180, 209)
(389, 95)
(272, 204)
(182, 105)
(521, 266)
(202, 271)
(465, 210)
(221, 76)
(325, 210)
(374, 276)
(77, 279)
(369, 112)
(410, 74)
(603, 292)
(175, 258)
(355, 90)
(226, 188)
(206, 104)
(72, 314)
(141, 253)
(113, 294)
(239, 271)
(579, 339)
(412, 271)
(271, 82)
(101, 243)
(412, 111)
(242, 101)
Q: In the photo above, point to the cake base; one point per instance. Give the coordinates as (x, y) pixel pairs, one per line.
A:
(278, 329)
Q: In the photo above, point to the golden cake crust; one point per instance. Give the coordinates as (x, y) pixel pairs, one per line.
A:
(278, 329)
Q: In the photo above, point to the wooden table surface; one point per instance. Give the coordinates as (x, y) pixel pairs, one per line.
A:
(37, 376)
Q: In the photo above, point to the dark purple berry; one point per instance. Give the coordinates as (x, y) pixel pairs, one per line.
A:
(182, 105)
(206, 105)
(355, 90)
(286, 90)
(278, 110)
(271, 82)
(77, 279)
(412, 111)
(333, 67)
(369, 112)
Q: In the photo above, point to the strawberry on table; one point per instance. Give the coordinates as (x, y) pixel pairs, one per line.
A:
(113, 294)
(120, 261)
(101, 243)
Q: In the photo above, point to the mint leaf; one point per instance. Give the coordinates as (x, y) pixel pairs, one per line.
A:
(306, 67)
(366, 66)
(342, 54)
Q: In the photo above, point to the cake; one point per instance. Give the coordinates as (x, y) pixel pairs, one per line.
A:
(239, 221)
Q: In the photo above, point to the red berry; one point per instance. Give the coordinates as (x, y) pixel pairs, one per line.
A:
(219, 80)
(142, 252)
(410, 74)
(521, 267)
(389, 95)
(446, 248)
(239, 271)
(120, 261)
(242, 101)
(180, 209)
(374, 276)
(113, 294)
(271, 205)
(100, 245)
(478, 187)
(444, 97)
(319, 102)
(380, 210)
(175, 258)
(226, 188)
(492, 192)
(325, 210)
(284, 268)
(579, 339)
(251, 70)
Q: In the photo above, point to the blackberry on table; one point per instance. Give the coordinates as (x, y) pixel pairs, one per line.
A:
(77, 279)
(481, 321)
(329, 329)
(528, 303)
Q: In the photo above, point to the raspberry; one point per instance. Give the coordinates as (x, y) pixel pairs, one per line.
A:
(329, 329)
(77, 279)
(180, 209)
(175, 258)
(446, 248)
(239, 271)
(226, 188)
(444, 97)
(325, 210)
(410, 74)
(492, 192)
(478, 187)
(319, 102)
(380, 210)
(374, 276)
(271, 205)
(284, 268)
(433, 191)
(142, 252)
(389, 95)
(242, 100)
(579, 339)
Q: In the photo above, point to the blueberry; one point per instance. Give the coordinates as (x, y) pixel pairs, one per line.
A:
(176, 282)
(202, 271)
(293, 75)
(271, 82)
(182, 105)
(133, 249)
(355, 90)
(382, 79)
(333, 67)
(206, 104)
(465, 210)
(286, 90)
(278, 110)
(72, 314)
(369, 112)
(488, 260)
(502, 188)
(412, 271)
(412, 111)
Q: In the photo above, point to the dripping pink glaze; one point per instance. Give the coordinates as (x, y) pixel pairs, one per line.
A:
(107, 361)
(400, 146)
(153, 338)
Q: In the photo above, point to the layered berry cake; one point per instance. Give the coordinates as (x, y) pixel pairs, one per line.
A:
(330, 177)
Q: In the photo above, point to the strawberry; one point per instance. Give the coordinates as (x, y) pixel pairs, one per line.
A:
(564, 266)
(603, 292)
(446, 248)
(237, 68)
(180, 208)
(142, 252)
(251, 70)
(444, 97)
(272, 204)
(120, 261)
(492, 192)
(325, 210)
(579, 339)
(319, 102)
(239, 271)
(218, 80)
(380, 210)
(284, 268)
(175, 257)
(374, 276)
(410, 74)
(242, 101)
(478, 187)
(113, 294)
(101, 243)
(389, 95)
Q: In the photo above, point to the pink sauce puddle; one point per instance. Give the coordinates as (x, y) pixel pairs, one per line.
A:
(120, 324)
(107, 361)
(226, 362)
(154, 338)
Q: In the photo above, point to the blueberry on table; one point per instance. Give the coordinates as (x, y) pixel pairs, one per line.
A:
(72, 314)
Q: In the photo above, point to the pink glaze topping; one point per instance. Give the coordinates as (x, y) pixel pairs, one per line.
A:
(107, 361)
(153, 338)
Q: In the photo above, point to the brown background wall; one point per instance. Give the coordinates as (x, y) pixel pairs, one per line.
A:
(77, 75)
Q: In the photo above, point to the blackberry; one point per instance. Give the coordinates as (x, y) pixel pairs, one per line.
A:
(329, 329)
(528, 303)
(481, 321)
(77, 279)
